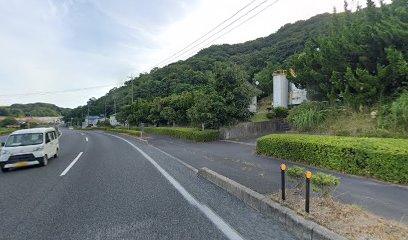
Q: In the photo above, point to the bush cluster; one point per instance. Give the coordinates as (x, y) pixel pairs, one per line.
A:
(307, 116)
(323, 184)
(278, 112)
(6, 131)
(125, 131)
(185, 133)
(382, 158)
(297, 176)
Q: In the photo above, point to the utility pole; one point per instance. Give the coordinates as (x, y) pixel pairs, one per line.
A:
(105, 109)
(88, 116)
(114, 103)
(131, 82)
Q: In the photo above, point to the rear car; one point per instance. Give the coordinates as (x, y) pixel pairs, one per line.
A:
(29, 147)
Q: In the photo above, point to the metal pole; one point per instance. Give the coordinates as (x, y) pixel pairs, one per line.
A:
(307, 202)
(283, 169)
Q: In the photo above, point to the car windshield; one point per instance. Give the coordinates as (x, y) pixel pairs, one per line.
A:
(24, 139)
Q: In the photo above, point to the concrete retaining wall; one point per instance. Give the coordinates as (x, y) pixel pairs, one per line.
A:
(253, 129)
(248, 129)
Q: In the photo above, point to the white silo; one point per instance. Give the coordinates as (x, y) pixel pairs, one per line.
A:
(280, 89)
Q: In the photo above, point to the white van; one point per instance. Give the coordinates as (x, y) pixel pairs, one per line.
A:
(29, 147)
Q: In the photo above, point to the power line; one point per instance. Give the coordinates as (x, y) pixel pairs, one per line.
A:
(222, 29)
(208, 44)
(198, 39)
(56, 92)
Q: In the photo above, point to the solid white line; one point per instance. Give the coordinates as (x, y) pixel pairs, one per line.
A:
(177, 159)
(210, 214)
(86, 138)
(71, 164)
(243, 143)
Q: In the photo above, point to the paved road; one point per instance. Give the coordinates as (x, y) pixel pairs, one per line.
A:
(121, 190)
(240, 163)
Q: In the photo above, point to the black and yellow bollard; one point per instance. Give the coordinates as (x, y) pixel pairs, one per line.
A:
(283, 169)
(307, 202)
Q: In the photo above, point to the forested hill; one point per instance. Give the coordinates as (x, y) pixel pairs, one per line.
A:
(352, 58)
(195, 72)
(33, 109)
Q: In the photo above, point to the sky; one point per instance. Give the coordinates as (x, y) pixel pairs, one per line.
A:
(67, 51)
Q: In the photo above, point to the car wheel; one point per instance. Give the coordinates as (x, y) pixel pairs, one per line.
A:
(56, 154)
(44, 161)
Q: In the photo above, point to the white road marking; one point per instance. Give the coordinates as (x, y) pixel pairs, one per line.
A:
(243, 143)
(86, 138)
(223, 226)
(177, 159)
(82, 134)
(71, 164)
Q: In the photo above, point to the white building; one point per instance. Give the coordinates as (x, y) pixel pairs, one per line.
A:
(254, 105)
(285, 93)
(113, 121)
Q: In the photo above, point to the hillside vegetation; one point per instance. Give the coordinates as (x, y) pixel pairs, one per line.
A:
(32, 109)
(355, 60)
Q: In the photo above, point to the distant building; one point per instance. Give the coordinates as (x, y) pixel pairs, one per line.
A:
(254, 105)
(92, 121)
(296, 95)
(113, 121)
(284, 93)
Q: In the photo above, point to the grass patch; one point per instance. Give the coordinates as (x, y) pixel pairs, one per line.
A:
(349, 221)
(260, 117)
(5, 131)
(191, 134)
(124, 131)
(382, 158)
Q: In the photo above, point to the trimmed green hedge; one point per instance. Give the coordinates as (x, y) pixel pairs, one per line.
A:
(382, 158)
(125, 131)
(185, 133)
(94, 128)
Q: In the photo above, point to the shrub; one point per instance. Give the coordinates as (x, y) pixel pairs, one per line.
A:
(281, 112)
(297, 176)
(185, 133)
(125, 131)
(324, 184)
(270, 115)
(6, 131)
(8, 121)
(382, 158)
(307, 116)
(399, 111)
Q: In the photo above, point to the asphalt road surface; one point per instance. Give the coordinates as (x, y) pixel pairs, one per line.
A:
(105, 187)
(238, 161)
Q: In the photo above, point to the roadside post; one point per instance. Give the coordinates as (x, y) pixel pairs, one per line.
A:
(283, 169)
(307, 202)
(141, 128)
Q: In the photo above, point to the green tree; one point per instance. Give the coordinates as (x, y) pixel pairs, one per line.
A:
(8, 121)
(230, 83)
(169, 114)
(208, 110)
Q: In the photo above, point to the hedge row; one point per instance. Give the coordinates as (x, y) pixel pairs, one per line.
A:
(382, 158)
(125, 131)
(185, 133)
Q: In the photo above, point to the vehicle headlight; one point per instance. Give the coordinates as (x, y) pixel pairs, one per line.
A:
(39, 149)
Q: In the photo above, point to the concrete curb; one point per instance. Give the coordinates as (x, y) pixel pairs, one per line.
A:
(300, 227)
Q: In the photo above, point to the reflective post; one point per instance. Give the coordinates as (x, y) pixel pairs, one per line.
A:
(307, 202)
(283, 169)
